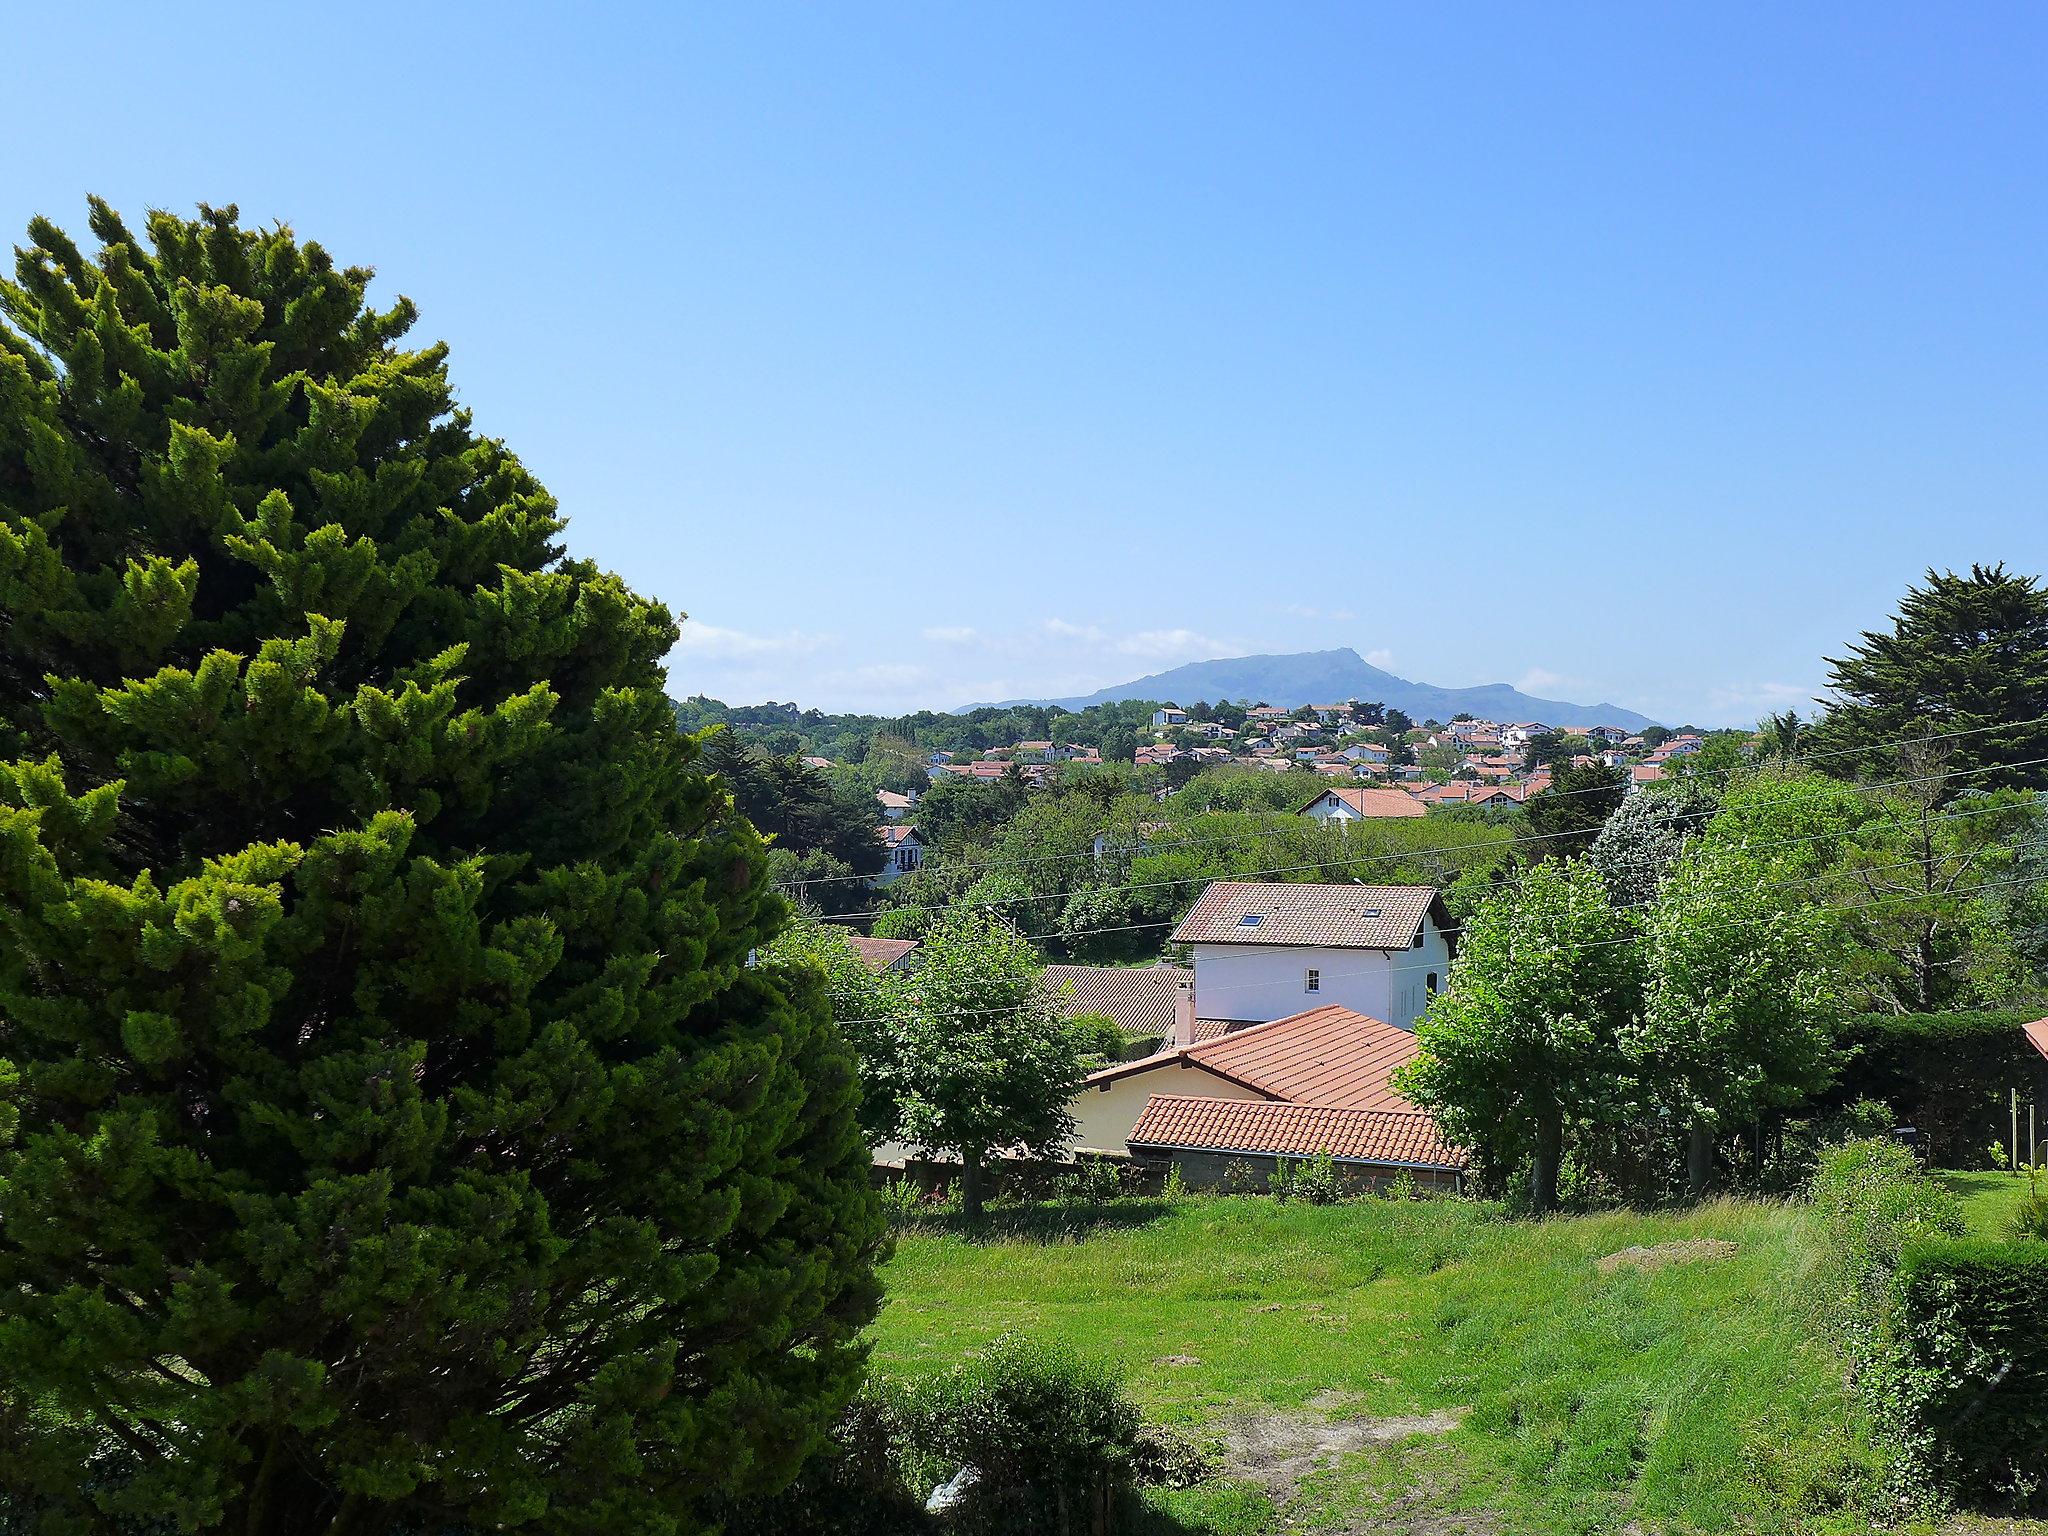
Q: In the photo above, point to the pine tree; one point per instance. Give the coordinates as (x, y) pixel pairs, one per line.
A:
(1966, 660)
(391, 1126)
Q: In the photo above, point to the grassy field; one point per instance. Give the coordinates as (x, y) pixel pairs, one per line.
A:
(1459, 1371)
(1990, 1198)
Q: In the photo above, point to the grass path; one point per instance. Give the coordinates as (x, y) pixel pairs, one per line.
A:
(1694, 1397)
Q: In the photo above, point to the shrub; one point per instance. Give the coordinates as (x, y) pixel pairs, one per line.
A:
(1313, 1180)
(1054, 1441)
(1053, 1437)
(1947, 1074)
(1873, 1200)
(1971, 1330)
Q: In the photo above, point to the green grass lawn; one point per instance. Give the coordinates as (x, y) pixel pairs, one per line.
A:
(1990, 1198)
(1696, 1397)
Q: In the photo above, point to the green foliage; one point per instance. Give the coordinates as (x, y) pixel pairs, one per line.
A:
(1640, 842)
(1569, 815)
(1054, 1442)
(1947, 1075)
(1739, 1000)
(822, 832)
(1312, 1180)
(1529, 1040)
(1965, 654)
(394, 1127)
(983, 1061)
(1971, 1332)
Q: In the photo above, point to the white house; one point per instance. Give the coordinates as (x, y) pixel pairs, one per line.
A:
(905, 852)
(1161, 718)
(1263, 952)
(1347, 803)
(1519, 734)
(1612, 735)
(894, 806)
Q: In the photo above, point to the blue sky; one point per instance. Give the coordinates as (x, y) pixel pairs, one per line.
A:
(926, 354)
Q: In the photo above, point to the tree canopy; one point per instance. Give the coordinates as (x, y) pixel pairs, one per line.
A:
(396, 1131)
(1966, 658)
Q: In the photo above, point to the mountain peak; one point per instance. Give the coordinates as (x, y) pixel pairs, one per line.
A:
(1329, 677)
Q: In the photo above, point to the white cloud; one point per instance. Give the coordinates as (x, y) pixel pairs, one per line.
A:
(1158, 644)
(1383, 659)
(711, 642)
(1742, 703)
(1065, 631)
(1555, 684)
(949, 634)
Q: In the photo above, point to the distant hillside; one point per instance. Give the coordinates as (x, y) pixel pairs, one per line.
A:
(1329, 677)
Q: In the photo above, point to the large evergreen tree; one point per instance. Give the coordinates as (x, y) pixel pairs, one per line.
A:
(391, 1126)
(1966, 659)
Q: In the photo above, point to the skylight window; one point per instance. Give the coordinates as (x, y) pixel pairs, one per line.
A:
(1251, 920)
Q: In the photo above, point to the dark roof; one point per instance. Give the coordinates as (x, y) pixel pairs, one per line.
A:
(1403, 1138)
(1138, 999)
(1320, 916)
(1329, 1055)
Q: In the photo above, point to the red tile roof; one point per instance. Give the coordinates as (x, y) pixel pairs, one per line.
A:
(1327, 916)
(880, 954)
(894, 832)
(1366, 801)
(1328, 1055)
(2037, 1035)
(1403, 1138)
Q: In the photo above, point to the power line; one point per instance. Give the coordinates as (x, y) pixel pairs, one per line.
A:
(1396, 857)
(1635, 938)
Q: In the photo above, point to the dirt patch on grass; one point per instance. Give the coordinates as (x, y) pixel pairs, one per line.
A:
(1277, 1450)
(1691, 1251)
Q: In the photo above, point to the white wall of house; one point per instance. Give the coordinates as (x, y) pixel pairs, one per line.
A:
(1261, 982)
(1103, 1115)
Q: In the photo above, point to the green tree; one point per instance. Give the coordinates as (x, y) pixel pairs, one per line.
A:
(1965, 654)
(395, 1131)
(1119, 744)
(986, 1063)
(1739, 1004)
(1529, 1040)
(1568, 816)
(1643, 839)
(863, 1005)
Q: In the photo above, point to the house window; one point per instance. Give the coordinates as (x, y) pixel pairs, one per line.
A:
(1418, 938)
(1312, 981)
(1429, 982)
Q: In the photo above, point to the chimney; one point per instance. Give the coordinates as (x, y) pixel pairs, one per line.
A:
(1183, 1014)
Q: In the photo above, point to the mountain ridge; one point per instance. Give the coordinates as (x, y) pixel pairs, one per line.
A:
(1326, 677)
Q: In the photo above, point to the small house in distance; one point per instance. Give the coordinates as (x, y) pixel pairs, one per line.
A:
(1263, 951)
(903, 851)
(1347, 803)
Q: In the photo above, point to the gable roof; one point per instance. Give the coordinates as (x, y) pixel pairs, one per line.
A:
(891, 801)
(1328, 1055)
(1325, 916)
(880, 954)
(894, 833)
(1405, 1138)
(1367, 801)
(1138, 999)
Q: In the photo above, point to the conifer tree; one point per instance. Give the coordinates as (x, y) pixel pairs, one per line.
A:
(392, 1131)
(1965, 661)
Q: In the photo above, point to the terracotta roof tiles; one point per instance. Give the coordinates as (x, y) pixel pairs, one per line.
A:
(1403, 1138)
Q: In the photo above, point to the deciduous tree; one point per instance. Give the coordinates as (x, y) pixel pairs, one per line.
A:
(1530, 1038)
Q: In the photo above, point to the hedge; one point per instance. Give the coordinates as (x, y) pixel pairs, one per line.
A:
(1948, 1074)
(1973, 1324)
